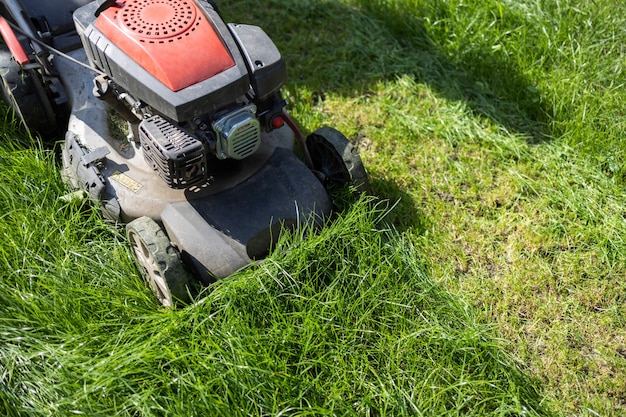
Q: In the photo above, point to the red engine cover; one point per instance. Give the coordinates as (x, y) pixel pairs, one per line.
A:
(171, 39)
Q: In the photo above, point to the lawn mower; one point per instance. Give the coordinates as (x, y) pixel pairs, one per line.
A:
(174, 122)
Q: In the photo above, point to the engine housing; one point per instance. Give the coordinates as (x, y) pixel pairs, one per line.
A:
(178, 56)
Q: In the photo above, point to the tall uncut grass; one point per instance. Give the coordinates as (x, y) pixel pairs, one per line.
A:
(485, 278)
(345, 321)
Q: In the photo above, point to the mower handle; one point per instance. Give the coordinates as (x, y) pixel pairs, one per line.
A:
(13, 43)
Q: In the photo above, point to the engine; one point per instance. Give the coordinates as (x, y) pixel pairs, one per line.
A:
(194, 87)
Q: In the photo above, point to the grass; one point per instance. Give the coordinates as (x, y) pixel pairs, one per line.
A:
(494, 286)
(343, 322)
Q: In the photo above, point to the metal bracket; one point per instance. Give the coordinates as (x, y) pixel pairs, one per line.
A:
(97, 155)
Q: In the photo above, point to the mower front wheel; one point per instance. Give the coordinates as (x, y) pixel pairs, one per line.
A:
(159, 262)
(335, 160)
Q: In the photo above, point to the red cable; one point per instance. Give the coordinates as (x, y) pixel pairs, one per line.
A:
(292, 125)
(13, 43)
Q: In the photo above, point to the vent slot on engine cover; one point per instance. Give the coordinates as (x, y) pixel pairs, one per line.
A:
(178, 157)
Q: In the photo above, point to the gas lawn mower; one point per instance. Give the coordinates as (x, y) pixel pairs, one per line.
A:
(174, 122)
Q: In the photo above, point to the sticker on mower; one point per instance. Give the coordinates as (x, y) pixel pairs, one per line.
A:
(126, 181)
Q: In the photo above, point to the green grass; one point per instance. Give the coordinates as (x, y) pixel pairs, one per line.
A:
(494, 286)
(343, 322)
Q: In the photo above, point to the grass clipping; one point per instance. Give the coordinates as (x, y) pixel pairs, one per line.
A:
(343, 322)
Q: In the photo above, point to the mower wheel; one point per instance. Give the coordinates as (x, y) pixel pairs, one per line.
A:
(159, 262)
(335, 160)
(23, 90)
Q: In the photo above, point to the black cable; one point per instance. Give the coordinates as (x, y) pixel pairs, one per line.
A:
(54, 50)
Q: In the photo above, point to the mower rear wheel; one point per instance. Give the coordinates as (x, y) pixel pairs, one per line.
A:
(159, 262)
(23, 90)
(335, 160)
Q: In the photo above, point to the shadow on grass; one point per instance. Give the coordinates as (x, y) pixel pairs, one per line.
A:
(404, 213)
(332, 47)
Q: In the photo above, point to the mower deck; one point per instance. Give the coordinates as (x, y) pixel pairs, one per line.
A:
(221, 225)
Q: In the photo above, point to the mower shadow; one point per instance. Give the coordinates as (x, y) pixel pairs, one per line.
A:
(331, 47)
(403, 213)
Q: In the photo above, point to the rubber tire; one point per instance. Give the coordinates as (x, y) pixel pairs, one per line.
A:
(337, 160)
(159, 262)
(23, 90)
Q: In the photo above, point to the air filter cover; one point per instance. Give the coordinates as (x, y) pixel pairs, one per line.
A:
(178, 157)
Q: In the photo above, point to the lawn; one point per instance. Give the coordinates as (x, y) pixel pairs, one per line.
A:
(485, 277)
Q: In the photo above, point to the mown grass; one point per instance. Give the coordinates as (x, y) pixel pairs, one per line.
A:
(493, 287)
